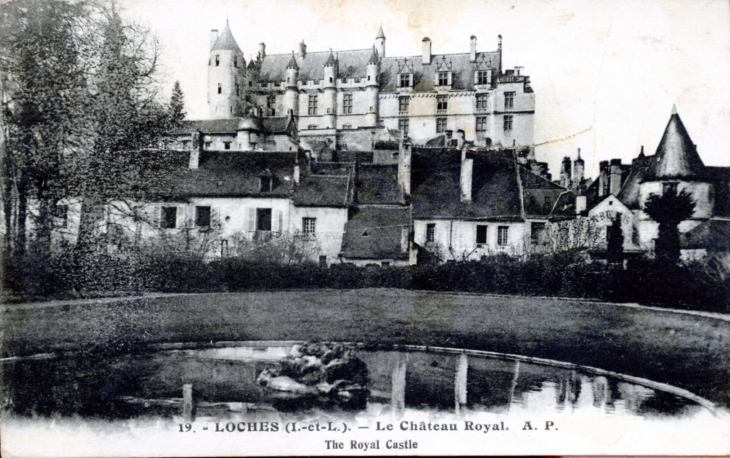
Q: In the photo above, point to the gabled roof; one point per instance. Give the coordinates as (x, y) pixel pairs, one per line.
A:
(676, 156)
(323, 191)
(712, 235)
(629, 194)
(226, 42)
(436, 190)
(238, 175)
(378, 184)
(377, 232)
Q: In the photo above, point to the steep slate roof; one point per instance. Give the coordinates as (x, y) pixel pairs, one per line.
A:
(536, 189)
(376, 232)
(436, 190)
(629, 194)
(351, 64)
(462, 70)
(272, 125)
(378, 184)
(712, 235)
(226, 42)
(323, 191)
(237, 175)
(676, 156)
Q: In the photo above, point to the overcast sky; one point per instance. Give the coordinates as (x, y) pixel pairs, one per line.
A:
(605, 73)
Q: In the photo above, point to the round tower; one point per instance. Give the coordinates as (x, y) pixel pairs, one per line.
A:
(329, 105)
(226, 77)
(291, 94)
(380, 43)
(372, 88)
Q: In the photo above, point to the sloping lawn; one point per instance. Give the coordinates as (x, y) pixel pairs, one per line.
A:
(690, 352)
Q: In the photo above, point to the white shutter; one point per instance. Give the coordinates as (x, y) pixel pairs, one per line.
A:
(153, 214)
(476, 76)
(251, 219)
(215, 222)
(276, 221)
(450, 74)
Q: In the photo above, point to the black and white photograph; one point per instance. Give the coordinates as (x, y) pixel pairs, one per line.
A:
(382, 227)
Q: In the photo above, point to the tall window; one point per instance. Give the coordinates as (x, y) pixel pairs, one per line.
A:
(238, 90)
(482, 77)
(265, 184)
(404, 80)
(312, 105)
(503, 235)
(440, 125)
(481, 123)
(403, 126)
(271, 104)
(263, 219)
(308, 225)
(403, 103)
(202, 216)
(217, 60)
(481, 234)
(509, 100)
(482, 100)
(431, 232)
(219, 88)
(442, 104)
(443, 78)
(168, 218)
(537, 233)
(227, 145)
(347, 104)
(508, 122)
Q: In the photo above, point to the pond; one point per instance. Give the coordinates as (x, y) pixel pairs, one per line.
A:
(225, 383)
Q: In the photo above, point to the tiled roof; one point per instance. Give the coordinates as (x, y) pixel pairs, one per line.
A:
(712, 235)
(375, 232)
(629, 194)
(323, 191)
(676, 156)
(238, 174)
(226, 42)
(462, 70)
(378, 184)
(436, 191)
(541, 195)
(276, 125)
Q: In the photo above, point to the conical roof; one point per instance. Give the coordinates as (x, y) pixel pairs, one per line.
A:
(330, 60)
(380, 33)
(676, 156)
(292, 62)
(373, 57)
(226, 42)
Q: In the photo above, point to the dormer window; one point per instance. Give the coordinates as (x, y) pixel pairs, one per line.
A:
(443, 73)
(482, 77)
(265, 184)
(443, 79)
(404, 80)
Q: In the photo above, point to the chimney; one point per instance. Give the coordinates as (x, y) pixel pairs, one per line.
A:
(459, 138)
(303, 49)
(404, 168)
(467, 170)
(426, 43)
(473, 49)
(213, 37)
(196, 147)
(602, 178)
(580, 204)
(565, 177)
(578, 170)
(615, 180)
(262, 50)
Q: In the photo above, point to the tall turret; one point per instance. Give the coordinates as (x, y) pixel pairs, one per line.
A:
(291, 95)
(579, 167)
(226, 77)
(372, 88)
(380, 43)
(329, 105)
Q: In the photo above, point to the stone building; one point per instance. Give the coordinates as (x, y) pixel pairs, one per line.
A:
(351, 97)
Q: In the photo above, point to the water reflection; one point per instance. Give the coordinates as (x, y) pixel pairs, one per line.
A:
(221, 383)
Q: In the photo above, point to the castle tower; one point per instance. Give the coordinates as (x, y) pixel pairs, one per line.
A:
(329, 105)
(226, 77)
(291, 94)
(565, 175)
(380, 43)
(372, 88)
(579, 167)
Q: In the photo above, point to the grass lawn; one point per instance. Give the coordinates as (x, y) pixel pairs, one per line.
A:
(686, 351)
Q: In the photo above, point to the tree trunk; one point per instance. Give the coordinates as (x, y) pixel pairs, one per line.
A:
(20, 241)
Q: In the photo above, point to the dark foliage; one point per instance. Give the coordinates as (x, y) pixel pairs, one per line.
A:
(669, 209)
(643, 281)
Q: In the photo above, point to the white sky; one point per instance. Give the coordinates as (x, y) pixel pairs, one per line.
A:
(605, 73)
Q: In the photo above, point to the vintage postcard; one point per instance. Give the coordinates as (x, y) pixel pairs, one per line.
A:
(299, 227)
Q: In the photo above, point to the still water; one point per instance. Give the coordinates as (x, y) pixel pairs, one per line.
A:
(221, 384)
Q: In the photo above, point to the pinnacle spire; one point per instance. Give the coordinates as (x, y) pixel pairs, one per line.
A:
(674, 109)
(380, 33)
(292, 62)
(226, 42)
(330, 60)
(373, 57)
